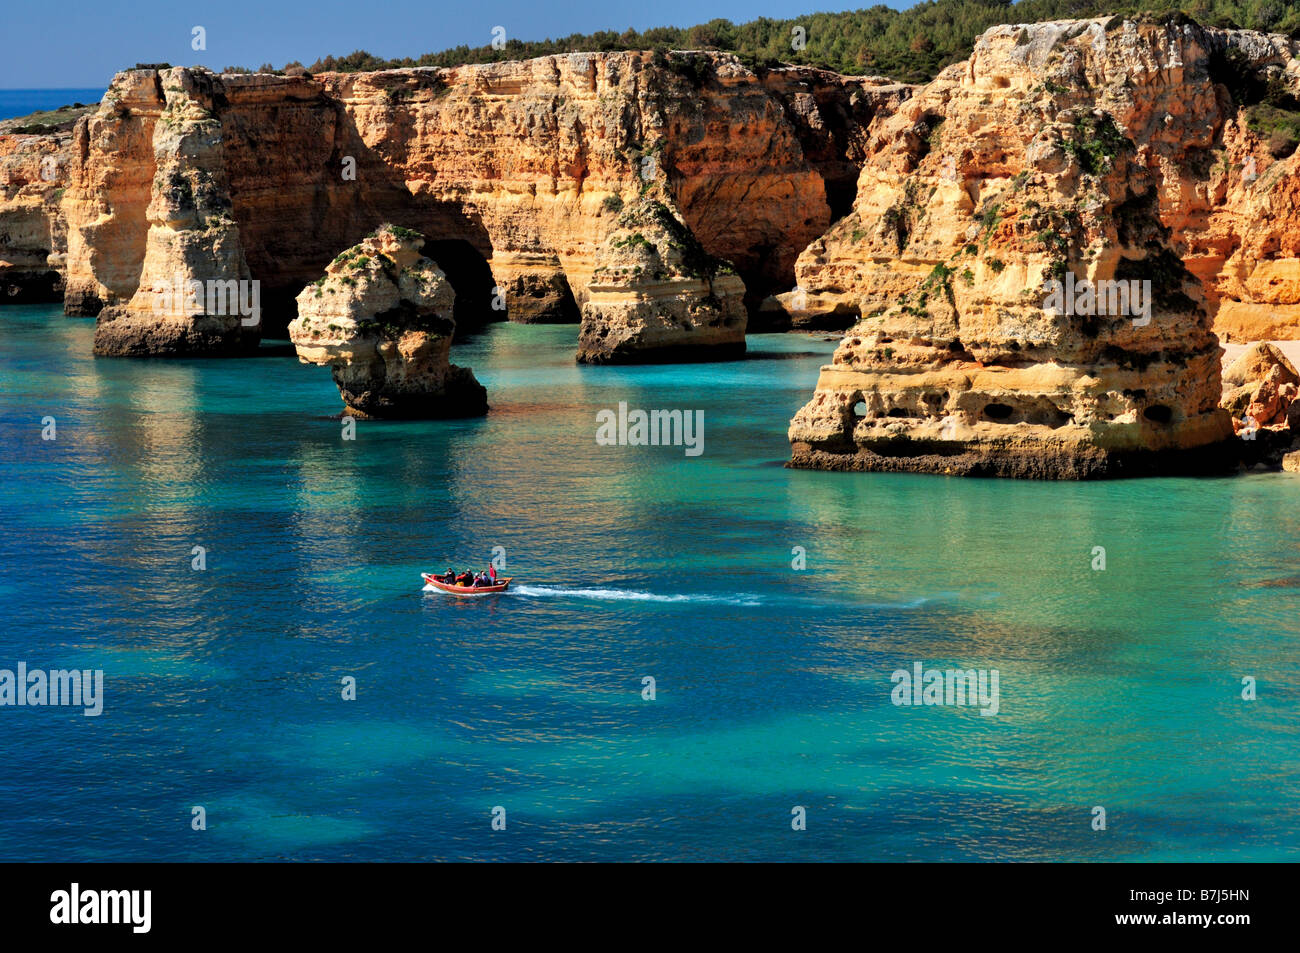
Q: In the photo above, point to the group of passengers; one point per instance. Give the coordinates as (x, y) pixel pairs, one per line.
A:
(487, 577)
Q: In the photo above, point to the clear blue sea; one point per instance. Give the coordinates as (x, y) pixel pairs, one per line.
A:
(21, 102)
(1118, 688)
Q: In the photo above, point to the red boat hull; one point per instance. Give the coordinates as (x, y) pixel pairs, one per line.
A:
(454, 590)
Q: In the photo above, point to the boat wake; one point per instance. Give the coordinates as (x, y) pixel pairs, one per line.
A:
(739, 599)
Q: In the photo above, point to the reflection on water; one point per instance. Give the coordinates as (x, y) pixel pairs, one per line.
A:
(772, 685)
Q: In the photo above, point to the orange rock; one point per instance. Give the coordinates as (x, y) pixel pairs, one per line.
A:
(1045, 156)
(381, 319)
(515, 170)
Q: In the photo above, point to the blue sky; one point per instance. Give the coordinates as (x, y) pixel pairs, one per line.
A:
(81, 43)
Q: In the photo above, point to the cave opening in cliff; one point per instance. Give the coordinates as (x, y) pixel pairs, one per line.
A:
(471, 278)
(998, 411)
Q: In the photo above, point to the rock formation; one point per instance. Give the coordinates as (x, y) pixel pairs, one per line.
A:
(657, 295)
(1096, 151)
(111, 177)
(1055, 153)
(511, 169)
(381, 319)
(194, 294)
(1224, 188)
(33, 235)
(1260, 384)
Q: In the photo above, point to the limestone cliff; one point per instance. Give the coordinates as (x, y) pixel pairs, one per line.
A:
(194, 294)
(511, 169)
(1227, 194)
(111, 176)
(1060, 151)
(33, 234)
(381, 319)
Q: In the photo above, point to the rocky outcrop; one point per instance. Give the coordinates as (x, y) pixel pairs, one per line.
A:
(194, 294)
(514, 170)
(1227, 194)
(657, 295)
(381, 319)
(33, 235)
(834, 118)
(1260, 385)
(1043, 158)
(111, 176)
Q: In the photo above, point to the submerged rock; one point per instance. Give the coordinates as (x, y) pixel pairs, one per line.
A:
(657, 295)
(381, 319)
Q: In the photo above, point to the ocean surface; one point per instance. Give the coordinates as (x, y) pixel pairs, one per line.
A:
(21, 102)
(1118, 688)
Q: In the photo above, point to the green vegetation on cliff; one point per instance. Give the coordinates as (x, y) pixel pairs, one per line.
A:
(910, 45)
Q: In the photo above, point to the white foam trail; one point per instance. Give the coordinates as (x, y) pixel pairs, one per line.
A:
(740, 599)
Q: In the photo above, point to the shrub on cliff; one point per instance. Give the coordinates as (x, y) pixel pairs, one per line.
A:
(1097, 140)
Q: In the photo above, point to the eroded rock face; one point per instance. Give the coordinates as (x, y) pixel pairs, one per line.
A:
(33, 234)
(657, 295)
(1041, 158)
(111, 176)
(514, 164)
(1228, 195)
(1260, 384)
(381, 319)
(194, 294)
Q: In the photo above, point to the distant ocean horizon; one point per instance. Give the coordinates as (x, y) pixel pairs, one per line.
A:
(21, 102)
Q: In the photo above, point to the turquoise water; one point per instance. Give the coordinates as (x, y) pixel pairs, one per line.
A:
(1118, 688)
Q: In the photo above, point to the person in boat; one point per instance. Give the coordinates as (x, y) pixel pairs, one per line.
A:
(492, 575)
(481, 580)
(448, 577)
(465, 579)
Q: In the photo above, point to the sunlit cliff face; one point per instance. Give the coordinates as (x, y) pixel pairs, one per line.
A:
(1077, 149)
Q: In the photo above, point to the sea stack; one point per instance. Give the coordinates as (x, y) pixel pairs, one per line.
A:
(381, 319)
(1025, 309)
(657, 296)
(195, 295)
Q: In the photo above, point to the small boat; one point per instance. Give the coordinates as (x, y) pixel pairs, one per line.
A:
(467, 590)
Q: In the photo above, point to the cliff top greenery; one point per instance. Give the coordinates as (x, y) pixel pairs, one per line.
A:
(46, 121)
(911, 45)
